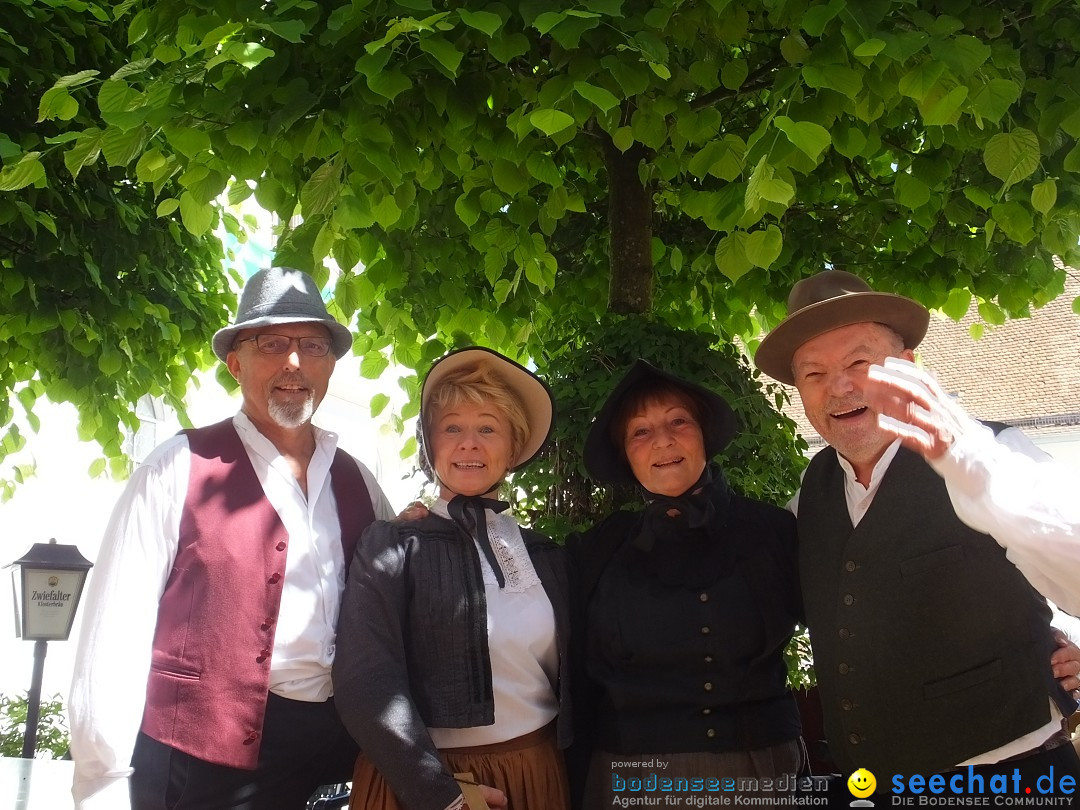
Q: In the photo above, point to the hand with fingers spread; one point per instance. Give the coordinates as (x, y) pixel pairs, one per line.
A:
(913, 406)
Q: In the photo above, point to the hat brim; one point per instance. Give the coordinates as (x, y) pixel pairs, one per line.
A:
(535, 396)
(907, 317)
(341, 338)
(607, 463)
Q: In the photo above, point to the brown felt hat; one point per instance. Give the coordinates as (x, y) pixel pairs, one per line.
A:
(827, 301)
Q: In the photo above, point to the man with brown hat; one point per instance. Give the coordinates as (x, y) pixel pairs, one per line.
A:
(930, 643)
(202, 676)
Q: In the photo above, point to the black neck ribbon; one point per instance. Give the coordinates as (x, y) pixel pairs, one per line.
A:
(468, 513)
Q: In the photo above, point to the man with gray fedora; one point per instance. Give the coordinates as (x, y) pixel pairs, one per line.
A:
(933, 648)
(202, 676)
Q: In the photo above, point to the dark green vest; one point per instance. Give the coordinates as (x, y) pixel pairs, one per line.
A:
(930, 647)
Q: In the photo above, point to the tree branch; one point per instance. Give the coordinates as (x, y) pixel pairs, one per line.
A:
(758, 80)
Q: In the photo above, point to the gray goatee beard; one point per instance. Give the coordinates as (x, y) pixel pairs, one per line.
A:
(291, 414)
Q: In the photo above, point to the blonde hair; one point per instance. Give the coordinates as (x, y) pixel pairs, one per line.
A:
(477, 384)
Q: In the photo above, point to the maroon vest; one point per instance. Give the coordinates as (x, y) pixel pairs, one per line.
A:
(210, 670)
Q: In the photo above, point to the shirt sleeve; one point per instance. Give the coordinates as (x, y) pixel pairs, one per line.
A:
(1008, 488)
(371, 675)
(379, 502)
(112, 659)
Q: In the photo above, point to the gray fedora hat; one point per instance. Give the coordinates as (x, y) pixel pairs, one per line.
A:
(826, 301)
(280, 295)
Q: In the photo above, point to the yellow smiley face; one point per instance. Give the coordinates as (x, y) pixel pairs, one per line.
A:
(861, 783)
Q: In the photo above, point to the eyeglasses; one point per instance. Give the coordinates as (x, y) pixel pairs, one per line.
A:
(310, 345)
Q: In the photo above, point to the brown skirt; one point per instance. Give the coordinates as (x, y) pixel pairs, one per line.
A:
(530, 770)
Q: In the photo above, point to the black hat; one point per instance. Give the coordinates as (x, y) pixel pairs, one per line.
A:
(607, 463)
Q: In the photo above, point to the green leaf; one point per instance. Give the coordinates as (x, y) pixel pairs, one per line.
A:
(1072, 160)
(1076, 305)
(110, 362)
(1012, 156)
(501, 291)
(321, 190)
(991, 313)
(730, 257)
(187, 141)
(957, 304)
(22, 174)
(288, 30)
(993, 99)
(920, 81)
(57, 102)
(446, 54)
(944, 110)
(817, 17)
(623, 138)
(548, 20)
(869, 49)
(1015, 220)
(834, 77)
(378, 404)
(245, 135)
(981, 197)
(467, 209)
(911, 192)
(734, 73)
(389, 83)
(811, 138)
(543, 168)
(603, 99)
(484, 21)
(764, 185)
(373, 365)
(762, 248)
(386, 211)
(115, 96)
(1044, 195)
(965, 54)
(84, 152)
(120, 148)
(133, 68)
(794, 49)
(197, 217)
(550, 121)
(76, 79)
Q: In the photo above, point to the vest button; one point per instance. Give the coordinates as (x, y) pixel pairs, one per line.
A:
(705, 630)
(845, 704)
(704, 597)
(849, 566)
(708, 659)
(275, 578)
(281, 546)
(845, 633)
(854, 738)
(708, 686)
(268, 622)
(849, 600)
(844, 669)
(252, 737)
(711, 732)
(706, 711)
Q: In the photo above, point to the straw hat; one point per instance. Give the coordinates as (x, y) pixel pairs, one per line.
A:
(280, 295)
(534, 394)
(827, 301)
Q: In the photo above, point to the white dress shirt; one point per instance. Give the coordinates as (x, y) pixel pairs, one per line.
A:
(1008, 488)
(112, 659)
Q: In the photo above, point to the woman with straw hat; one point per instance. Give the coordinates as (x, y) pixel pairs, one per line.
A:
(453, 637)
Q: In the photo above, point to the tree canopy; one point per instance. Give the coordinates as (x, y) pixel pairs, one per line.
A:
(101, 300)
(509, 172)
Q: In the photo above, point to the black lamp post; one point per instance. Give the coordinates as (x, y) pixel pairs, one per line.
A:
(47, 583)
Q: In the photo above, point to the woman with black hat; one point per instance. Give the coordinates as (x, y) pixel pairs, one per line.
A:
(453, 637)
(685, 609)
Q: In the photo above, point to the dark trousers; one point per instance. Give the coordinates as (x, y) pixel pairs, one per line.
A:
(304, 745)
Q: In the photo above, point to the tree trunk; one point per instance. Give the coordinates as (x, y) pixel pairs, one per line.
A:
(629, 231)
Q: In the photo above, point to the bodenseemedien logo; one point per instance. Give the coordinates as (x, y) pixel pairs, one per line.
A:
(862, 783)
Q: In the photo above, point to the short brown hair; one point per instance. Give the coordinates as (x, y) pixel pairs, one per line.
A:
(644, 393)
